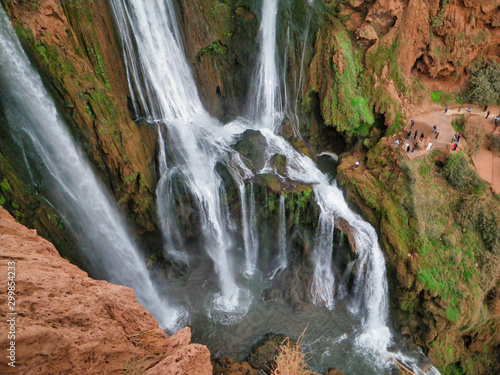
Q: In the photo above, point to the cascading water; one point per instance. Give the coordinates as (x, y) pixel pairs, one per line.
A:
(323, 279)
(170, 96)
(282, 235)
(250, 239)
(266, 106)
(166, 93)
(71, 183)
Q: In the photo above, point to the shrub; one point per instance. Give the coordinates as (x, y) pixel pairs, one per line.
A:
(460, 175)
(475, 137)
(495, 141)
(483, 215)
(484, 82)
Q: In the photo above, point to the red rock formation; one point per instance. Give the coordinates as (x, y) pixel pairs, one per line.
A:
(68, 323)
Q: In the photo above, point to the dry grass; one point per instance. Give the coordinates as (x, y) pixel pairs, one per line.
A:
(290, 359)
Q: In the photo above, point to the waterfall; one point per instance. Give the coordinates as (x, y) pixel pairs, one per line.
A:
(323, 278)
(250, 237)
(282, 235)
(166, 211)
(165, 89)
(71, 183)
(266, 105)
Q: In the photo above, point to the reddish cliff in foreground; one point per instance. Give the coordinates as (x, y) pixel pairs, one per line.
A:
(68, 323)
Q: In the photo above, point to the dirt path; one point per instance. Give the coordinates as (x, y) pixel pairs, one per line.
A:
(486, 162)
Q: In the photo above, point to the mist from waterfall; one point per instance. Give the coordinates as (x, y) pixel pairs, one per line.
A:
(70, 183)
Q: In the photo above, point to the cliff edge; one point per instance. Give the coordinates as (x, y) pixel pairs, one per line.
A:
(69, 323)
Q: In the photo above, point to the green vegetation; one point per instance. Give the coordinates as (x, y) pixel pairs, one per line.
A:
(216, 48)
(345, 106)
(461, 176)
(484, 82)
(443, 98)
(495, 141)
(441, 243)
(438, 20)
(459, 124)
(5, 186)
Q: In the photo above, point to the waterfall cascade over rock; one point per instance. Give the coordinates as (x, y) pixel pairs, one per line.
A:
(73, 188)
(166, 94)
(209, 181)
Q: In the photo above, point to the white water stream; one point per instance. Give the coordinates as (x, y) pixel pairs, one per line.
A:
(74, 189)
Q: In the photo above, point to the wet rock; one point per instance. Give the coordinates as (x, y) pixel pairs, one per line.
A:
(231, 367)
(279, 163)
(271, 295)
(252, 147)
(333, 371)
(279, 184)
(263, 353)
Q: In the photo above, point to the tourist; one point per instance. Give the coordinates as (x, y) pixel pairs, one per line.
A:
(412, 123)
(421, 136)
(357, 163)
(407, 147)
(437, 135)
(409, 134)
(460, 108)
(415, 136)
(459, 136)
(397, 143)
(485, 108)
(487, 114)
(434, 129)
(469, 110)
(446, 109)
(429, 146)
(455, 146)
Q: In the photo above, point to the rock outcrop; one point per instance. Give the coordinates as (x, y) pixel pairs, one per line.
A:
(67, 323)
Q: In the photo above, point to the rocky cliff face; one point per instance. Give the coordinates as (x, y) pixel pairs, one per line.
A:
(221, 45)
(69, 323)
(73, 45)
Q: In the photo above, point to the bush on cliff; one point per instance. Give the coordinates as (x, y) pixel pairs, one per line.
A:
(484, 82)
(461, 176)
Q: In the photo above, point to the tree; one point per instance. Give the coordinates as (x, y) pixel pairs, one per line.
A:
(484, 82)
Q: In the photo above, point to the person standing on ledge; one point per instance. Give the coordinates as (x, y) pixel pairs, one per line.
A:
(446, 109)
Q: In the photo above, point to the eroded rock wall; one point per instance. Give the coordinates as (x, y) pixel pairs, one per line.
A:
(69, 323)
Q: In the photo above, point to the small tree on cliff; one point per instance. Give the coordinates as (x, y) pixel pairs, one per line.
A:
(484, 82)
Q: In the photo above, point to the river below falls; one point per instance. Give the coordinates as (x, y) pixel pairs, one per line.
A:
(329, 339)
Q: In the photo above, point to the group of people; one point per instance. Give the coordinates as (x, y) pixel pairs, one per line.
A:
(408, 147)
